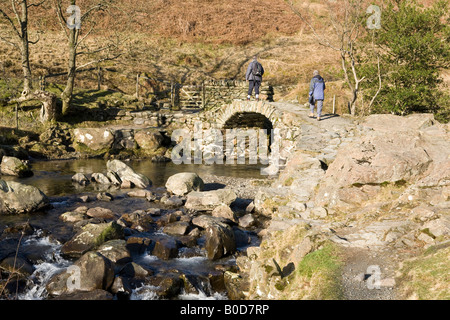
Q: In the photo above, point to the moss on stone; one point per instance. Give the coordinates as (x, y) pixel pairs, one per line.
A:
(111, 232)
(84, 149)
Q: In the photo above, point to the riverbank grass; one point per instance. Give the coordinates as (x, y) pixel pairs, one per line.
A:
(322, 269)
(317, 277)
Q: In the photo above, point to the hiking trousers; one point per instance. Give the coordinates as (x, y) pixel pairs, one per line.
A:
(319, 107)
(254, 84)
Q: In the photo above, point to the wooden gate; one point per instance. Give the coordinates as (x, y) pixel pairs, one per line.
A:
(191, 97)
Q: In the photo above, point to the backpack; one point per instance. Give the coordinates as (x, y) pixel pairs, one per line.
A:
(257, 69)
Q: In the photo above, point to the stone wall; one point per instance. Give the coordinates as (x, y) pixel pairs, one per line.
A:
(213, 93)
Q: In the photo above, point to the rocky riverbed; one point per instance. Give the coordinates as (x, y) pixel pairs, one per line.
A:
(128, 243)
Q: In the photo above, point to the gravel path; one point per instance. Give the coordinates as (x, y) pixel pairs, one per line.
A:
(359, 275)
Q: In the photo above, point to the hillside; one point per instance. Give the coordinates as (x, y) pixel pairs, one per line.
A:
(187, 42)
(182, 41)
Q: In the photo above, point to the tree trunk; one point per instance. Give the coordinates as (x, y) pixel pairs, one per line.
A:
(67, 94)
(49, 111)
(24, 48)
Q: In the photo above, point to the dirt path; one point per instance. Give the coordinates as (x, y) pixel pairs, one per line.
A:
(360, 274)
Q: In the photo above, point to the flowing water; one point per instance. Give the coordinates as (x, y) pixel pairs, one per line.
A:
(54, 179)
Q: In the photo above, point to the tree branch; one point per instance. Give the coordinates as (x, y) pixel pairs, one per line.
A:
(97, 7)
(98, 61)
(36, 4)
(10, 42)
(97, 50)
(13, 5)
(84, 37)
(11, 22)
(34, 42)
(62, 21)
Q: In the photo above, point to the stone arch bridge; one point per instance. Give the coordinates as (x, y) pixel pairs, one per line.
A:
(256, 114)
(296, 131)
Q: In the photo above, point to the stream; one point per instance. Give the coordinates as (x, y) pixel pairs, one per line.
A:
(44, 244)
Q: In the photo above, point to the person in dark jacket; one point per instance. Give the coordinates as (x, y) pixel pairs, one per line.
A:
(316, 94)
(254, 74)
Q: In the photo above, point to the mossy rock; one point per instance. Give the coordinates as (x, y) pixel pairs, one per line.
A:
(90, 237)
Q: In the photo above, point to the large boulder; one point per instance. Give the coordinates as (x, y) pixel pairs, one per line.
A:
(166, 248)
(391, 154)
(125, 173)
(81, 179)
(97, 272)
(91, 236)
(101, 213)
(204, 221)
(209, 200)
(17, 198)
(220, 241)
(178, 228)
(402, 155)
(91, 272)
(116, 251)
(95, 139)
(182, 183)
(149, 140)
(389, 122)
(224, 211)
(100, 178)
(11, 166)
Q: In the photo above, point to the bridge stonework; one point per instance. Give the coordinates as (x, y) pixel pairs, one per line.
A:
(261, 107)
(288, 124)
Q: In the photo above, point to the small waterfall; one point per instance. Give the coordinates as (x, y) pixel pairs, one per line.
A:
(44, 271)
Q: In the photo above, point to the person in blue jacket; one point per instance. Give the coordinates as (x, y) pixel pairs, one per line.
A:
(254, 74)
(316, 94)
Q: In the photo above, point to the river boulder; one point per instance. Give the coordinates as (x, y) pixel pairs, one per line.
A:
(116, 251)
(91, 236)
(209, 200)
(224, 211)
(182, 183)
(204, 221)
(220, 241)
(95, 139)
(138, 220)
(11, 166)
(178, 228)
(149, 141)
(166, 286)
(101, 213)
(125, 173)
(91, 272)
(81, 179)
(100, 178)
(17, 198)
(97, 272)
(166, 248)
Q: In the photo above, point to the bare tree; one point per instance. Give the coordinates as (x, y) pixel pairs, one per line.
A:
(345, 18)
(76, 40)
(17, 19)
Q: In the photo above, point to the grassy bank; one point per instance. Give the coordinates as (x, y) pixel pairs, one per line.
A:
(427, 276)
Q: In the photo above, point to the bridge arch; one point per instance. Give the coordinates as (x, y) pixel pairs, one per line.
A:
(249, 114)
(248, 120)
